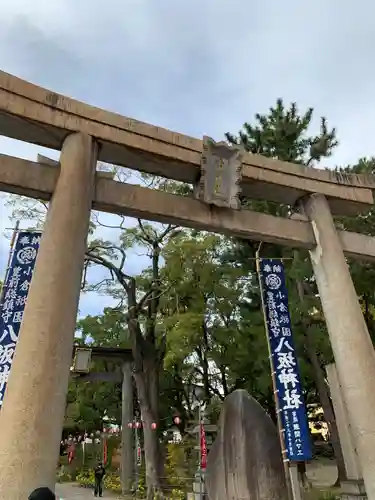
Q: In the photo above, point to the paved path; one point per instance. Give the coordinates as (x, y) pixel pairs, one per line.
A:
(320, 472)
(68, 491)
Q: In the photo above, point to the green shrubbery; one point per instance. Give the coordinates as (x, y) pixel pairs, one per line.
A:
(111, 481)
(64, 475)
(179, 470)
(86, 479)
(329, 496)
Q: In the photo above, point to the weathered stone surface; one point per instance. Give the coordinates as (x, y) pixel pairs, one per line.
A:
(245, 460)
(40, 116)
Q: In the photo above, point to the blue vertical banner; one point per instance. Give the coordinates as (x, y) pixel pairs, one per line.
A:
(288, 383)
(14, 297)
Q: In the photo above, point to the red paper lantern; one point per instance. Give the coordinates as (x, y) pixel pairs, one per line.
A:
(138, 425)
(130, 425)
(177, 420)
(153, 426)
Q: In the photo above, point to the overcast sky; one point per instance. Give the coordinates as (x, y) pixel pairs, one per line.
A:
(197, 66)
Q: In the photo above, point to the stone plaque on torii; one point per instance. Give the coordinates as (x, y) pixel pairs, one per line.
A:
(220, 176)
(38, 383)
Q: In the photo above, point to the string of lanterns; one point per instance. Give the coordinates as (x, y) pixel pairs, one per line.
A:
(137, 424)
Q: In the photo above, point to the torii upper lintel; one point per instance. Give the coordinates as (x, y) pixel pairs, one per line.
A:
(34, 114)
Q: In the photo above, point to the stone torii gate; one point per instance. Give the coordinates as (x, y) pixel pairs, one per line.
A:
(33, 410)
(123, 358)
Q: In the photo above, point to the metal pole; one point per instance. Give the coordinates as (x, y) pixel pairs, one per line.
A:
(126, 432)
(135, 460)
(199, 439)
(277, 404)
(137, 445)
(201, 489)
(294, 481)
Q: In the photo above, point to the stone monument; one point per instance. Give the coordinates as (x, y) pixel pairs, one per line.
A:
(245, 460)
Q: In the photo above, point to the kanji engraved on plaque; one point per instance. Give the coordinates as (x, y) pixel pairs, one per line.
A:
(221, 172)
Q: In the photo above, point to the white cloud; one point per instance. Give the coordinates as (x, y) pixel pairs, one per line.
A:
(198, 67)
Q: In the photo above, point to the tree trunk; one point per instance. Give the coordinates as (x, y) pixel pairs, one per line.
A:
(205, 366)
(224, 382)
(146, 376)
(369, 320)
(147, 384)
(152, 447)
(147, 362)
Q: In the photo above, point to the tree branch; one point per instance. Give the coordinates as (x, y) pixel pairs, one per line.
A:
(121, 276)
(212, 388)
(144, 232)
(166, 232)
(97, 246)
(108, 226)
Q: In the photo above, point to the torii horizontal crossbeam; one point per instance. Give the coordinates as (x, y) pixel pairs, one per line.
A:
(37, 115)
(38, 181)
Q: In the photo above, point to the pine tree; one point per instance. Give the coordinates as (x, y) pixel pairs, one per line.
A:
(283, 134)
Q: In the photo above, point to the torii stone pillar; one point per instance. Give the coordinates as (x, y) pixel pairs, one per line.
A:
(32, 414)
(350, 340)
(353, 487)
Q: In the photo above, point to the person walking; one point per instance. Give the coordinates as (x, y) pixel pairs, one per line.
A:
(99, 473)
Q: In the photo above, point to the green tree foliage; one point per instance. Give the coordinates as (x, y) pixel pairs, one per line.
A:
(215, 334)
(284, 134)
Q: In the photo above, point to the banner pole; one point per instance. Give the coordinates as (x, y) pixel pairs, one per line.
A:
(285, 459)
(12, 242)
